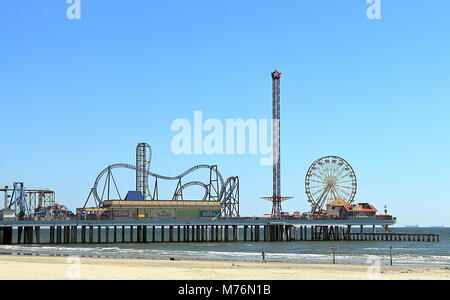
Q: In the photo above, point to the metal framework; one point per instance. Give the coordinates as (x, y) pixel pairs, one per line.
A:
(276, 205)
(18, 202)
(329, 178)
(276, 122)
(143, 160)
(216, 189)
(276, 197)
(40, 200)
(230, 201)
(29, 202)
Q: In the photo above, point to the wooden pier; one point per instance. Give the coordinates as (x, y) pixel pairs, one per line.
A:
(223, 230)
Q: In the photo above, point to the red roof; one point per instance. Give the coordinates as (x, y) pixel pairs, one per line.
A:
(366, 207)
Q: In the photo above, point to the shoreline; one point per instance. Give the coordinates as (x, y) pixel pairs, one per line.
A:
(62, 268)
(342, 258)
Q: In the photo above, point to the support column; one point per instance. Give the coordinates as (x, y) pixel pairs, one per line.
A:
(25, 235)
(326, 233)
(131, 234)
(271, 234)
(52, 234)
(29, 231)
(74, 234)
(144, 234)
(7, 237)
(58, 234)
(37, 232)
(227, 233)
(66, 238)
(202, 233)
(197, 233)
(99, 234)
(217, 233)
(153, 234)
(107, 234)
(139, 234)
(19, 234)
(83, 234)
(91, 234)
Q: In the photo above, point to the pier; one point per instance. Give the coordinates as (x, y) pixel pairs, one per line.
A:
(197, 231)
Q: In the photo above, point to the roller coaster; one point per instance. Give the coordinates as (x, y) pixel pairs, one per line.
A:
(216, 189)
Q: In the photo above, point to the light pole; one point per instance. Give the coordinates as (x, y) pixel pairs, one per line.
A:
(334, 248)
(390, 253)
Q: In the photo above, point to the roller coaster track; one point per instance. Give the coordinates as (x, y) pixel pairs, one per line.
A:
(158, 176)
(179, 190)
(225, 192)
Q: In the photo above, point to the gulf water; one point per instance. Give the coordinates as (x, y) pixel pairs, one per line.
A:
(354, 252)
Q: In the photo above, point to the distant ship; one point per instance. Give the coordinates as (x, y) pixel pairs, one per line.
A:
(411, 226)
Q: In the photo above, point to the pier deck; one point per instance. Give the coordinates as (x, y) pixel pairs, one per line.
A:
(219, 230)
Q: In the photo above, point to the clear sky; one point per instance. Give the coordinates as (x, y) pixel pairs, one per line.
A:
(78, 95)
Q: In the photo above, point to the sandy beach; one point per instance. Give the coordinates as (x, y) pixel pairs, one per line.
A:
(61, 268)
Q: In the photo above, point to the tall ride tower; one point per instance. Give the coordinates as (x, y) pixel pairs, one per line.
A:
(276, 197)
(276, 76)
(143, 160)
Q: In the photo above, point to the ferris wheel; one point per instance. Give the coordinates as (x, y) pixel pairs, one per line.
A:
(328, 179)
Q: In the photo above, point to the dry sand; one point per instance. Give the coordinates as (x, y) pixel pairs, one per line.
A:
(35, 267)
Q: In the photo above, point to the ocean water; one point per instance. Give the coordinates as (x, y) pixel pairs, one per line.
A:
(364, 252)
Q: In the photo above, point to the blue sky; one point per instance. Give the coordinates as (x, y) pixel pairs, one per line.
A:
(78, 95)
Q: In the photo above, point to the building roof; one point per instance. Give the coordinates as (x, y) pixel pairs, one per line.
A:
(360, 207)
(134, 196)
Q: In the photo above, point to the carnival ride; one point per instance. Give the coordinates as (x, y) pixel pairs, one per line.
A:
(328, 179)
(33, 203)
(216, 189)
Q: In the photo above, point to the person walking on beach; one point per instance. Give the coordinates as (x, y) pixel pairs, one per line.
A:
(263, 257)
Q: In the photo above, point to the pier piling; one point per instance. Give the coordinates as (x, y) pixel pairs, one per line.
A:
(66, 232)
